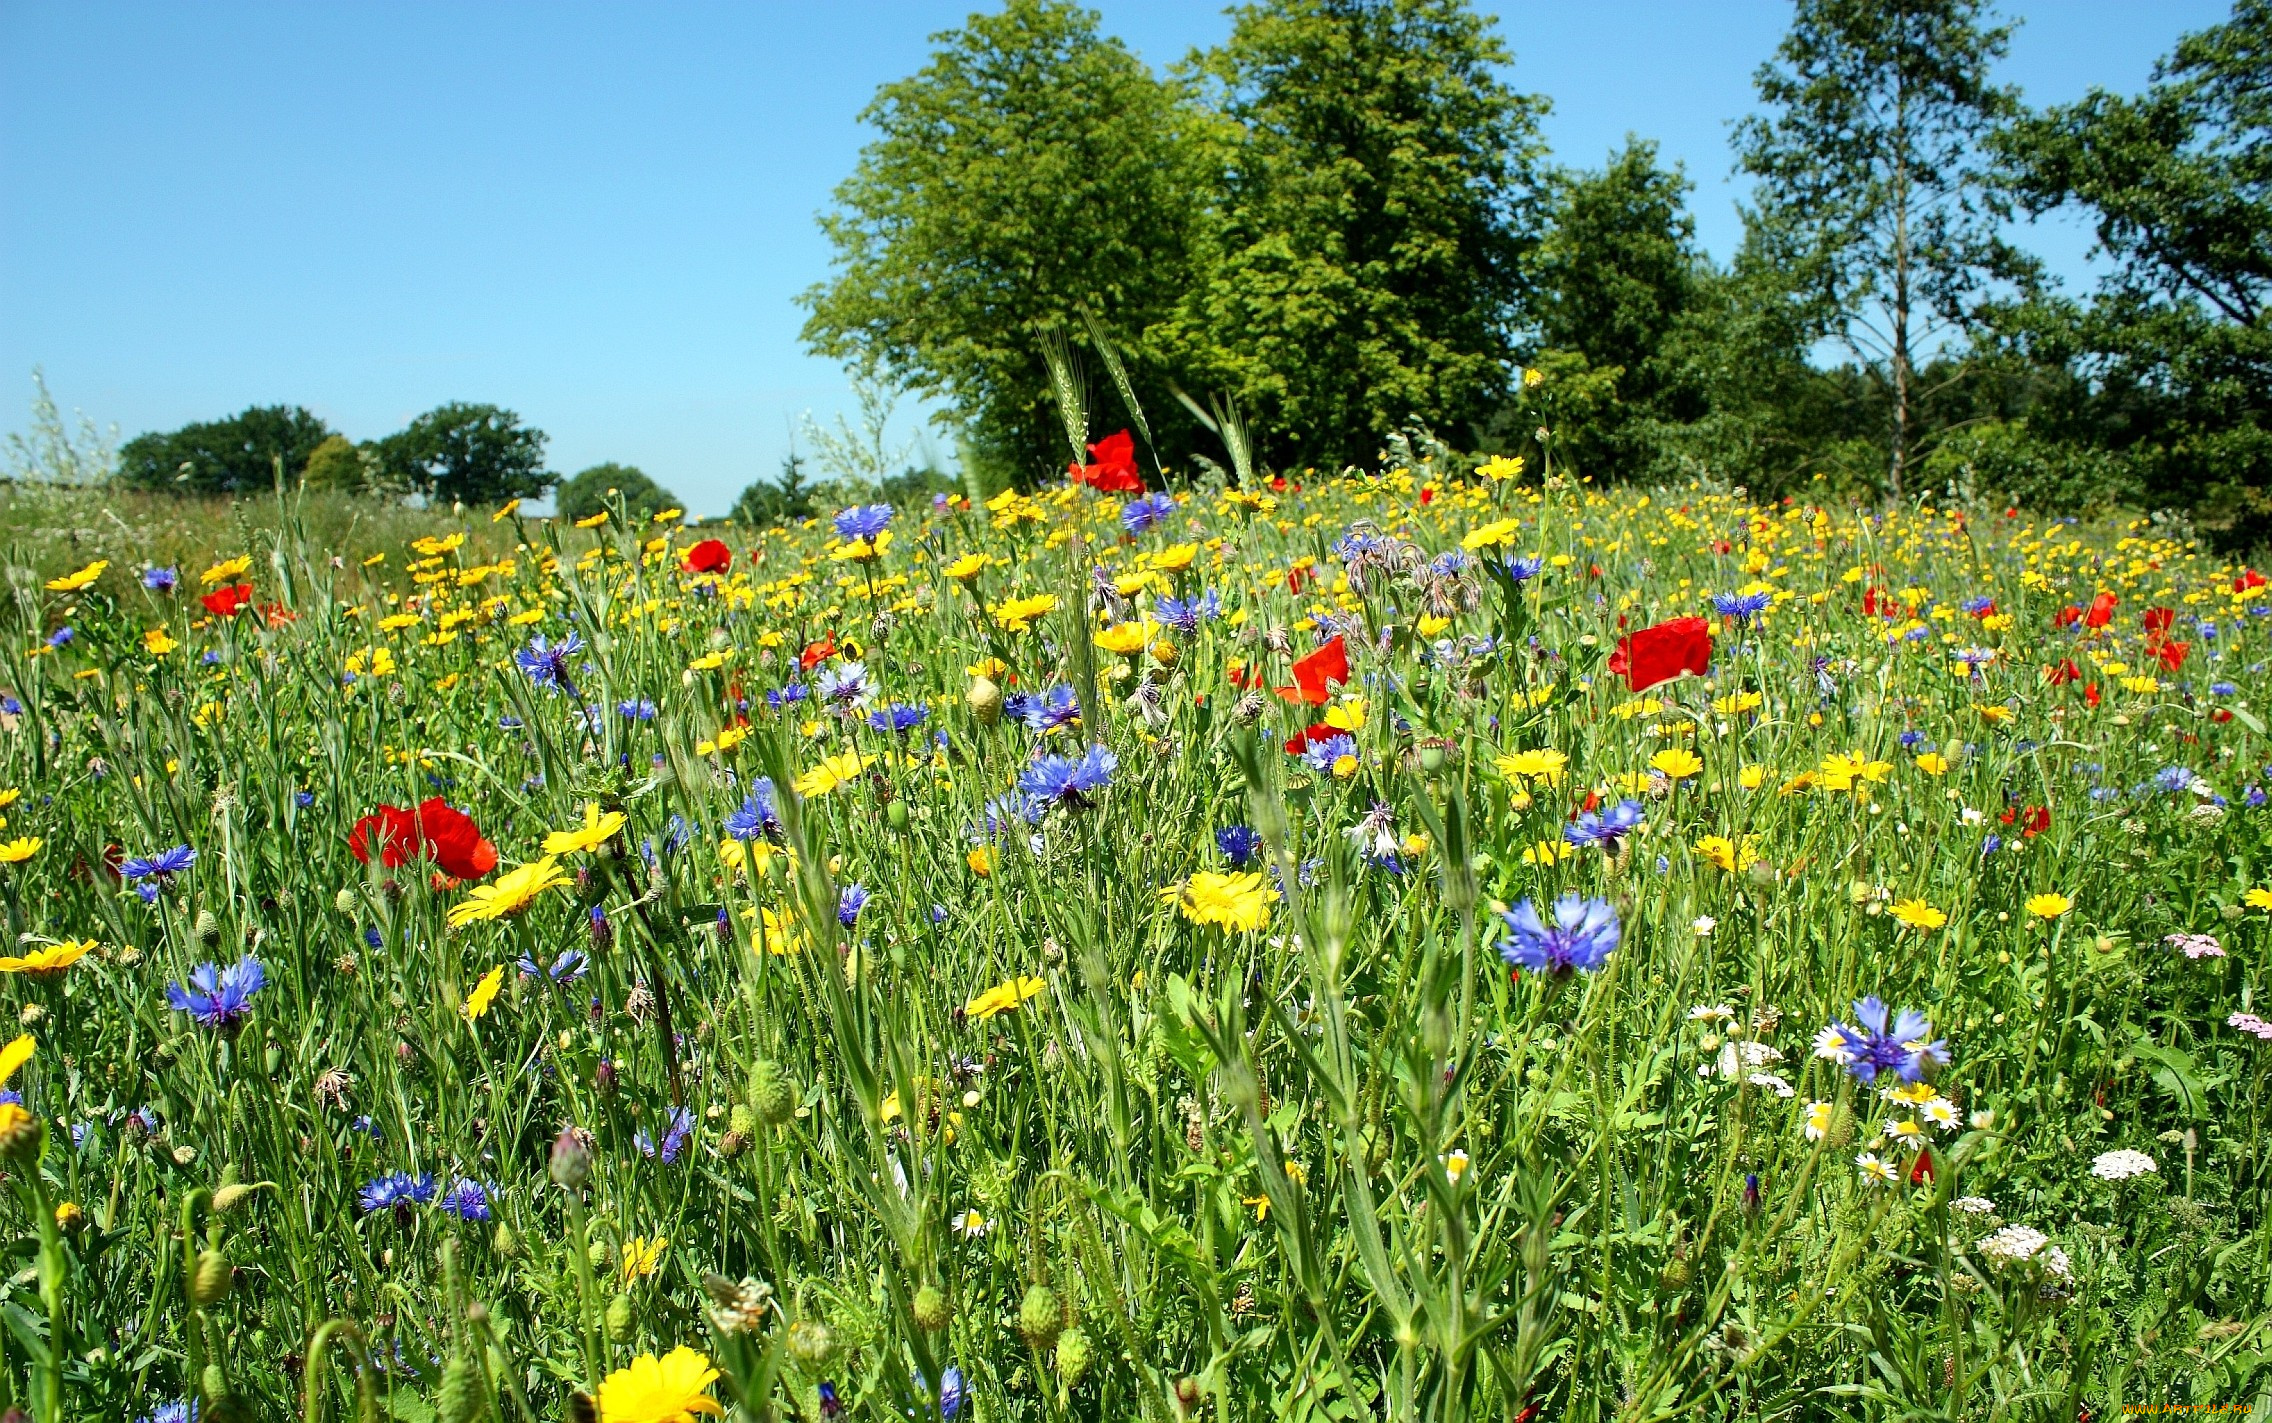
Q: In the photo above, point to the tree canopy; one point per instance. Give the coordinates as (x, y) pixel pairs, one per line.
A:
(230, 456)
(474, 454)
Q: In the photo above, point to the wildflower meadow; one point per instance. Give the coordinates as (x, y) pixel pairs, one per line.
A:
(1427, 943)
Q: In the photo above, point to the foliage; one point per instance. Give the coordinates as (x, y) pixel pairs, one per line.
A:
(342, 465)
(1362, 258)
(788, 499)
(604, 487)
(468, 454)
(1032, 169)
(52, 452)
(1869, 190)
(1097, 1048)
(2177, 183)
(238, 455)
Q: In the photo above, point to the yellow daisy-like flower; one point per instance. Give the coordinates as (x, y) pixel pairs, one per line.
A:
(642, 1256)
(48, 958)
(967, 567)
(2258, 899)
(1548, 852)
(833, 771)
(672, 1389)
(505, 511)
(1347, 715)
(1816, 1121)
(158, 642)
(1019, 614)
(1933, 763)
(1676, 763)
(1499, 468)
(1128, 639)
(779, 934)
(1004, 997)
(1727, 854)
(1751, 778)
(1175, 557)
(1238, 902)
(1501, 533)
(1545, 764)
(862, 550)
(982, 860)
(228, 570)
(73, 582)
(2049, 905)
(20, 849)
(594, 521)
(509, 893)
(484, 993)
(1917, 914)
(596, 831)
(15, 1055)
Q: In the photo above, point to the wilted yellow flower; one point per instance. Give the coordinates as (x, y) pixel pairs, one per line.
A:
(1004, 997)
(484, 993)
(1234, 901)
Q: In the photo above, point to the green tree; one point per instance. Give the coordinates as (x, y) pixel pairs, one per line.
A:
(604, 485)
(1364, 264)
(1617, 273)
(1032, 169)
(225, 456)
(2176, 344)
(340, 464)
(1870, 193)
(474, 454)
(768, 502)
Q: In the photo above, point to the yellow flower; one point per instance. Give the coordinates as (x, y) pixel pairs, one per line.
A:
(594, 521)
(1751, 778)
(1933, 763)
(1348, 715)
(2258, 899)
(982, 860)
(1548, 852)
(1736, 702)
(1545, 764)
(1501, 533)
(707, 662)
(1816, 1121)
(1676, 763)
(1839, 773)
(484, 993)
(967, 567)
(987, 667)
(15, 1055)
(1235, 901)
(1499, 468)
(862, 550)
(505, 511)
(1429, 624)
(1004, 997)
(228, 570)
(833, 771)
(509, 893)
(2049, 905)
(641, 1255)
(1727, 854)
(49, 958)
(73, 582)
(1917, 914)
(1175, 557)
(18, 850)
(666, 1390)
(1018, 614)
(781, 936)
(1128, 638)
(596, 831)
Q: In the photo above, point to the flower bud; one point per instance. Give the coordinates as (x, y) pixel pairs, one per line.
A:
(620, 1320)
(811, 1343)
(20, 1133)
(571, 1160)
(984, 700)
(210, 1284)
(344, 901)
(932, 1311)
(69, 1218)
(208, 928)
(770, 1095)
(1041, 1317)
(459, 1398)
(1073, 1355)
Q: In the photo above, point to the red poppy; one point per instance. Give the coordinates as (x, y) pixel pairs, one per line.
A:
(1296, 577)
(228, 600)
(2101, 611)
(1428, 495)
(2067, 616)
(1240, 676)
(1985, 610)
(1310, 736)
(2062, 674)
(1316, 673)
(1278, 483)
(709, 556)
(1112, 469)
(2220, 716)
(2172, 654)
(816, 653)
(1921, 1173)
(436, 831)
(1663, 652)
(2158, 620)
(2090, 694)
(2249, 578)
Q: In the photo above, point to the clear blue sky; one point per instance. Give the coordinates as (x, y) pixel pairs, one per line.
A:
(598, 214)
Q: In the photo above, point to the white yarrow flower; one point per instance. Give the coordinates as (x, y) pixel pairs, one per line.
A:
(2122, 1165)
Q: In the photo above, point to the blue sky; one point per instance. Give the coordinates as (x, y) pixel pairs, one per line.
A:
(598, 214)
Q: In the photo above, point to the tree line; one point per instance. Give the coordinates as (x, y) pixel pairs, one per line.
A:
(1343, 223)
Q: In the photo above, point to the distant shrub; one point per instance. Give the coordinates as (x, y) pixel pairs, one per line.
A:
(2004, 461)
(600, 486)
(340, 465)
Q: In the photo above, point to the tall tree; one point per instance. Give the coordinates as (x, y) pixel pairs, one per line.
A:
(1869, 170)
(1033, 169)
(1364, 264)
(225, 456)
(599, 488)
(2177, 341)
(475, 454)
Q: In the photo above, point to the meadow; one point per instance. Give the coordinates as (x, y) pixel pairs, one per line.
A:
(1427, 944)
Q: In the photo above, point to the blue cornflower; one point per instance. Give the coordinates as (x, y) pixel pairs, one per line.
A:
(1991, 845)
(1607, 827)
(639, 710)
(2222, 689)
(1004, 811)
(1743, 607)
(1522, 570)
(952, 1391)
(182, 1412)
(864, 522)
(1912, 739)
(1903, 1049)
(759, 814)
(61, 637)
(373, 938)
(1183, 615)
(570, 966)
(398, 1190)
(1325, 756)
(675, 1137)
(467, 1200)
(1974, 607)
(304, 799)
(1049, 710)
(160, 580)
(1238, 844)
(898, 717)
(2255, 797)
(1060, 780)
(789, 695)
(2174, 779)
(10, 705)
(846, 684)
(546, 663)
(217, 997)
(1581, 937)
(1137, 515)
(850, 900)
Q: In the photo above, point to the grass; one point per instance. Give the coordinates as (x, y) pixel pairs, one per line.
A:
(1204, 1089)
